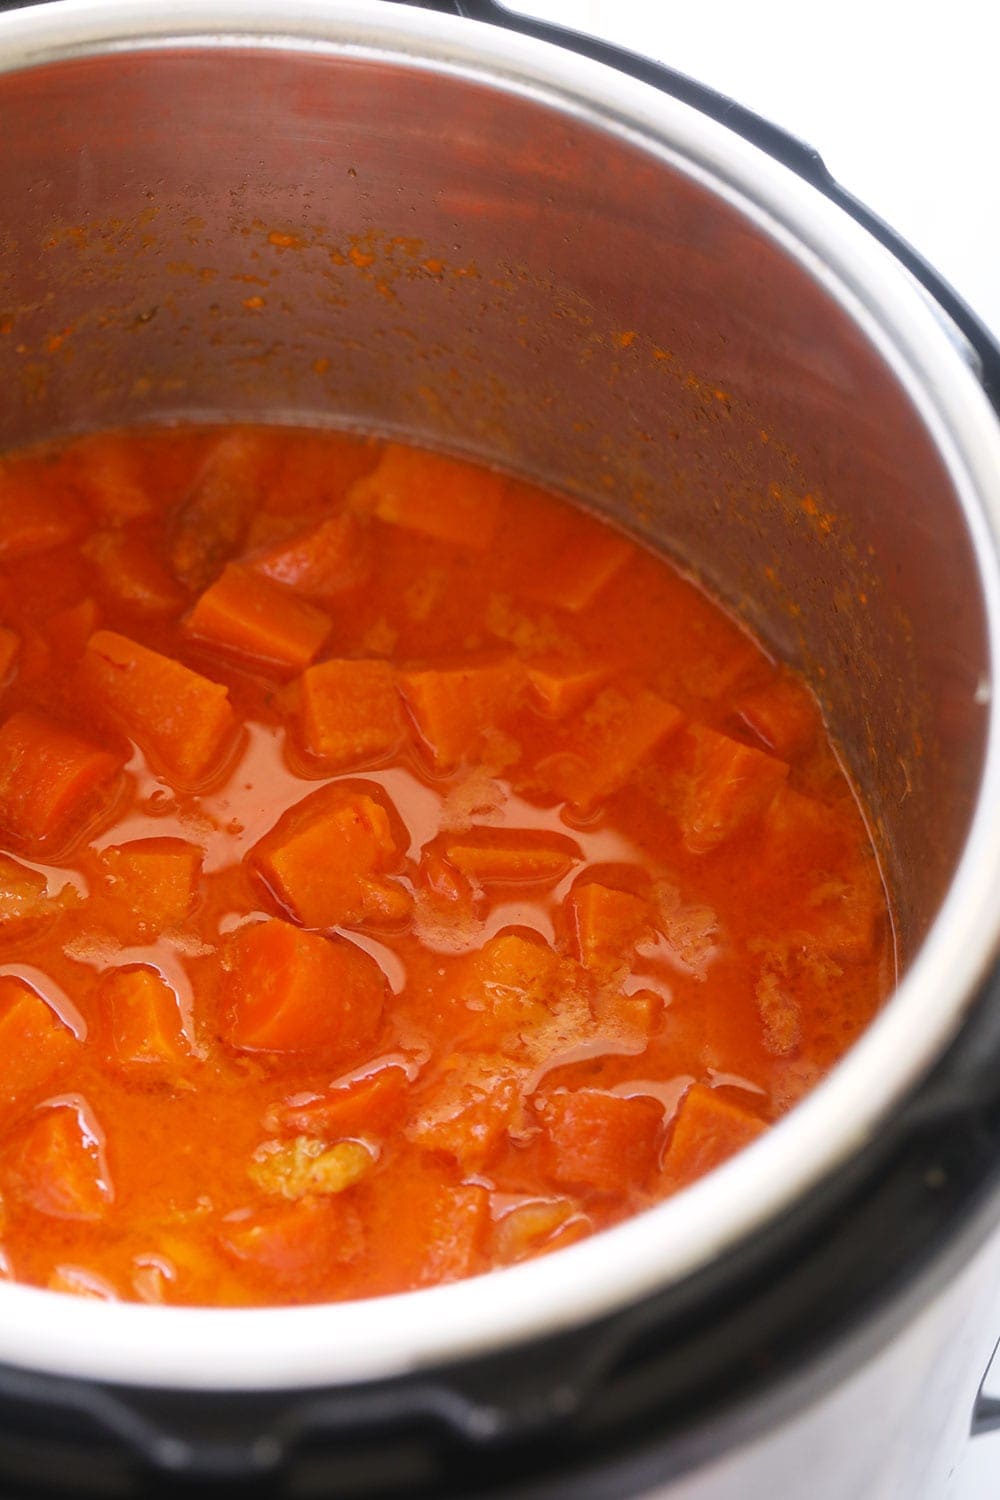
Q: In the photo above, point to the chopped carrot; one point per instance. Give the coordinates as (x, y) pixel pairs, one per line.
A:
(583, 559)
(249, 616)
(297, 1246)
(730, 785)
(109, 478)
(325, 560)
(58, 1166)
(70, 629)
(562, 689)
(426, 492)
(212, 520)
(181, 719)
(144, 1022)
(151, 884)
(514, 855)
(425, 1225)
(707, 1130)
(372, 1105)
(129, 570)
(326, 859)
(592, 1139)
(350, 712)
(292, 991)
(783, 714)
(49, 777)
(35, 1046)
(607, 924)
(469, 1109)
(34, 515)
(455, 706)
(606, 744)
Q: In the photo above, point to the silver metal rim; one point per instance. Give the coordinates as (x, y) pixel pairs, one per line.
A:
(215, 1349)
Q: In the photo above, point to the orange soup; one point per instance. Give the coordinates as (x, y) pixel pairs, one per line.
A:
(402, 873)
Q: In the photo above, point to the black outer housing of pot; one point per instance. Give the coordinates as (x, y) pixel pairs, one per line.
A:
(636, 1398)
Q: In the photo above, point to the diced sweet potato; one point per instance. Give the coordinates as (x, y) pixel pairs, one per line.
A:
(316, 470)
(426, 1226)
(10, 645)
(49, 777)
(372, 1105)
(143, 1020)
(70, 629)
(782, 713)
(35, 515)
(58, 1165)
(536, 1227)
(35, 1046)
(579, 565)
(512, 855)
(468, 1111)
(248, 616)
(561, 690)
(293, 1169)
(516, 996)
(290, 991)
(108, 476)
(152, 883)
(597, 1140)
(351, 712)
(455, 706)
(730, 785)
(180, 718)
(129, 570)
(321, 562)
(606, 744)
(211, 522)
(24, 895)
(441, 497)
(707, 1130)
(325, 861)
(606, 924)
(297, 1246)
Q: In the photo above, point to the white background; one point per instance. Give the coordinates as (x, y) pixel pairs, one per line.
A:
(903, 103)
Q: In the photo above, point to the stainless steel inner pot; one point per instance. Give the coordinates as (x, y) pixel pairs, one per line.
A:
(371, 216)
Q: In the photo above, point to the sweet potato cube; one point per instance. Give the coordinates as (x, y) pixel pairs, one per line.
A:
(23, 895)
(579, 566)
(129, 570)
(350, 712)
(181, 719)
(516, 996)
(58, 1165)
(730, 785)
(426, 1227)
(70, 629)
(512, 855)
(783, 714)
(212, 520)
(296, 1246)
(321, 562)
(153, 883)
(597, 1140)
(470, 1109)
(291, 991)
(455, 706)
(108, 476)
(144, 1023)
(372, 1105)
(536, 1227)
(607, 924)
(426, 492)
(561, 690)
(35, 515)
(326, 859)
(251, 617)
(316, 470)
(707, 1130)
(606, 744)
(49, 777)
(10, 645)
(35, 1046)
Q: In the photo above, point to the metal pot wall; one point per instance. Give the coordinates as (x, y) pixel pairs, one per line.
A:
(373, 216)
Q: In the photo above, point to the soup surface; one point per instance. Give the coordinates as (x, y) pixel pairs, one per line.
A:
(402, 874)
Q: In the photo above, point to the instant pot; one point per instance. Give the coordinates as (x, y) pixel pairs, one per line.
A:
(521, 245)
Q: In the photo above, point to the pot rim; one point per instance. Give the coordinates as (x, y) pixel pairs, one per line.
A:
(339, 1343)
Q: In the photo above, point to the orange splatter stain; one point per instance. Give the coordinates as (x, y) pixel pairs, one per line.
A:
(253, 304)
(435, 267)
(284, 241)
(360, 258)
(321, 365)
(626, 338)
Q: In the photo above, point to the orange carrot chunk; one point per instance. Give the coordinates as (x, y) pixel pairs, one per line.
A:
(178, 717)
(249, 616)
(561, 689)
(592, 1139)
(426, 1227)
(129, 570)
(36, 514)
(708, 1129)
(426, 492)
(606, 924)
(350, 712)
(152, 883)
(515, 855)
(58, 1166)
(372, 1105)
(49, 777)
(291, 991)
(730, 785)
(298, 1247)
(35, 1046)
(325, 861)
(144, 1023)
(606, 744)
(454, 707)
(320, 562)
(10, 645)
